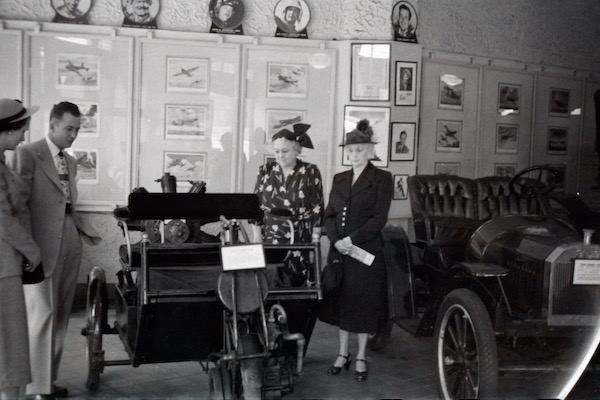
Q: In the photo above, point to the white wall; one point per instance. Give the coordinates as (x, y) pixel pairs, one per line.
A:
(552, 32)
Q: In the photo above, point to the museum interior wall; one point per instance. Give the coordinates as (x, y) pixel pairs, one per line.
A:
(494, 49)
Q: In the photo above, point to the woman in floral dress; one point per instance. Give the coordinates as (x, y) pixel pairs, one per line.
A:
(290, 189)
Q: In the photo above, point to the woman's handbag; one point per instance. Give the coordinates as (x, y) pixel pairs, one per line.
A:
(35, 276)
(331, 277)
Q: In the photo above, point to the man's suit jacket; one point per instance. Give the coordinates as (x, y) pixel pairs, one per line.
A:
(15, 239)
(360, 210)
(46, 200)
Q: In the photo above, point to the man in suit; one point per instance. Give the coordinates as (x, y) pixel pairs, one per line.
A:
(49, 177)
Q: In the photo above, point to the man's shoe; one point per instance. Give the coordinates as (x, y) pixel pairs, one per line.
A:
(59, 392)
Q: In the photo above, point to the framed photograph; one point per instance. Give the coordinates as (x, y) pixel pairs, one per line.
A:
(379, 119)
(77, 71)
(185, 166)
(291, 18)
(449, 136)
(402, 142)
(400, 187)
(506, 138)
(404, 22)
(447, 168)
(88, 167)
(71, 11)
(185, 122)
(282, 119)
(187, 75)
(370, 73)
(509, 99)
(406, 83)
(287, 80)
(559, 102)
(508, 170)
(557, 140)
(269, 158)
(451, 94)
(90, 120)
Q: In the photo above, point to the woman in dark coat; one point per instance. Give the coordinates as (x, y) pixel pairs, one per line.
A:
(16, 246)
(358, 208)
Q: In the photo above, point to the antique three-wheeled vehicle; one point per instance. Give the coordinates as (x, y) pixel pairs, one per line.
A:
(490, 267)
(184, 294)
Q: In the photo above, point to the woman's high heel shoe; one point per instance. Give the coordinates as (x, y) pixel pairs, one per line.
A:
(360, 376)
(333, 370)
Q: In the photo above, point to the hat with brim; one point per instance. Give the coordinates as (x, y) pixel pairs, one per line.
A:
(14, 111)
(299, 135)
(362, 134)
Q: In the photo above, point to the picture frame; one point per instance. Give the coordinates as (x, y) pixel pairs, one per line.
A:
(451, 92)
(370, 72)
(278, 119)
(186, 121)
(185, 166)
(507, 136)
(77, 71)
(449, 136)
(188, 75)
(406, 83)
(88, 165)
(90, 119)
(296, 26)
(404, 22)
(400, 187)
(505, 169)
(287, 80)
(557, 140)
(559, 102)
(447, 168)
(379, 118)
(509, 99)
(402, 141)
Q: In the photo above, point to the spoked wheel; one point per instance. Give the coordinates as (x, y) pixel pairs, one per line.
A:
(95, 321)
(219, 383)
(467, 358)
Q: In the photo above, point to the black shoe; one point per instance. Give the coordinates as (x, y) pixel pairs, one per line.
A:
(59, 391)
(360, 376)
(333, 370)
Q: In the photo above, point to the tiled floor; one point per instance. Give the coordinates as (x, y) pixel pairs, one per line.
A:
(405, 370)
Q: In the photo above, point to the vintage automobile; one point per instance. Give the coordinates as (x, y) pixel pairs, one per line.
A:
(490, 268)
(217, 300)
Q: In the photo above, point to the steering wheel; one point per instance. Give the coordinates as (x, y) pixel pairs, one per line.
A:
(529, 188)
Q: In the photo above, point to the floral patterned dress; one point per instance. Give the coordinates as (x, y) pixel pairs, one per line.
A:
(297, 198)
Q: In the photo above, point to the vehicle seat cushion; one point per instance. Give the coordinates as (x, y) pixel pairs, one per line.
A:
(452, 230)
(443, 208)
(494, 199)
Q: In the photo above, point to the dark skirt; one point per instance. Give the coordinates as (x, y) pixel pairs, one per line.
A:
(359, 304)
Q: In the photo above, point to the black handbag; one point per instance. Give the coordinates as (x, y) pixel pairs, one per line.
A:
(331, 278)
(35, 276)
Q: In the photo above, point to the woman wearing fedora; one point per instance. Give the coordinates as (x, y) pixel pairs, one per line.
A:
(358, 208)
(17, 249)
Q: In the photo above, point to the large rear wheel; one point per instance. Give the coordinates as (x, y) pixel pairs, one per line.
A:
(95, 321)
(467, 358)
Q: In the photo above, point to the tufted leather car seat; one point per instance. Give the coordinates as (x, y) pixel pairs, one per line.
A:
(447, 209)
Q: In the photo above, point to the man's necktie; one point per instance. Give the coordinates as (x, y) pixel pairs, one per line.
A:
(63, 175)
